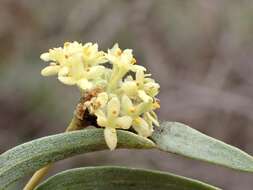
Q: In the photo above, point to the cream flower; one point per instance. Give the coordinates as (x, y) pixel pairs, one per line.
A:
(91, 55)
(142, 126)
(121, 96)
(111, 120)
(123, 62)
(141, 86)
(121, 58)
(73, 64)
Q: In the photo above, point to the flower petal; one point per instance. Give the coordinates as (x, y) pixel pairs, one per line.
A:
(67, 80)
(130, 88)
(152, 119)
(123, 122)
(142, 94)
(127, 56)
(95, 72)
(143, 107)
(110, 137)
(136, 68)
(84, 84)
(141, 126)
(45, 56)
(101, 119)
(102, 99)
(114, 49)
(151, 88)
(113, 107)
(63, 71)
(77, 67)
(50, 70)
(127, 105)
(140, 77)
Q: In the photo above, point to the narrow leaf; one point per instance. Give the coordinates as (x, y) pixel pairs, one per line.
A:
(119, 178)
(29, 157)
(181, 139)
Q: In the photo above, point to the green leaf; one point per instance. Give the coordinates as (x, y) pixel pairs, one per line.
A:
(119, 178)
(181, 139)
(29, 157)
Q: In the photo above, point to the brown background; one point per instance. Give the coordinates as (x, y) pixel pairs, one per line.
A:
(200, 51)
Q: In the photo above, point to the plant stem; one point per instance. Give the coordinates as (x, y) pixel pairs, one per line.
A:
(37, 177)
(75, 124)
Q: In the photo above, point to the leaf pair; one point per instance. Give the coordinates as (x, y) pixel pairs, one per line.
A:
(170, 137)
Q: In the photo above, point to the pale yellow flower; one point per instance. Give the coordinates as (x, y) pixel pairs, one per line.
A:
(91, 55)
(143, 126)
(121, 96)
(112, 120)
(50, 70)
(73, 64)
(123, 59)
(141, 86)
(123, 62)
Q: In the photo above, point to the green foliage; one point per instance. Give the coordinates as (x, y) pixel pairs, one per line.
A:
(119, 178)
(29, 157)
(181, 139)
(171, 137)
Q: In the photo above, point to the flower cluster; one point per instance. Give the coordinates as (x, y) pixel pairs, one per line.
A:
(125, 95)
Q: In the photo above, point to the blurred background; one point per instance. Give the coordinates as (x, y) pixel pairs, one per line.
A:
(200, 51)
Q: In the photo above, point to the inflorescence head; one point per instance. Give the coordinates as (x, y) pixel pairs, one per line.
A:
(120, 97)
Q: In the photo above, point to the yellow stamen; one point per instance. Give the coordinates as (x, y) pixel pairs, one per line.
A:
(118, 52)
(87, 51)
(156, 104)
(132, 109)
(133, 61)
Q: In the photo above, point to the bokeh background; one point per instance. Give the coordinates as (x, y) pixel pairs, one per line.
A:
(200, 51)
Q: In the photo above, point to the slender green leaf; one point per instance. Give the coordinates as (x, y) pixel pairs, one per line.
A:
(29, 157)
(119, 178)
(181, 139)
